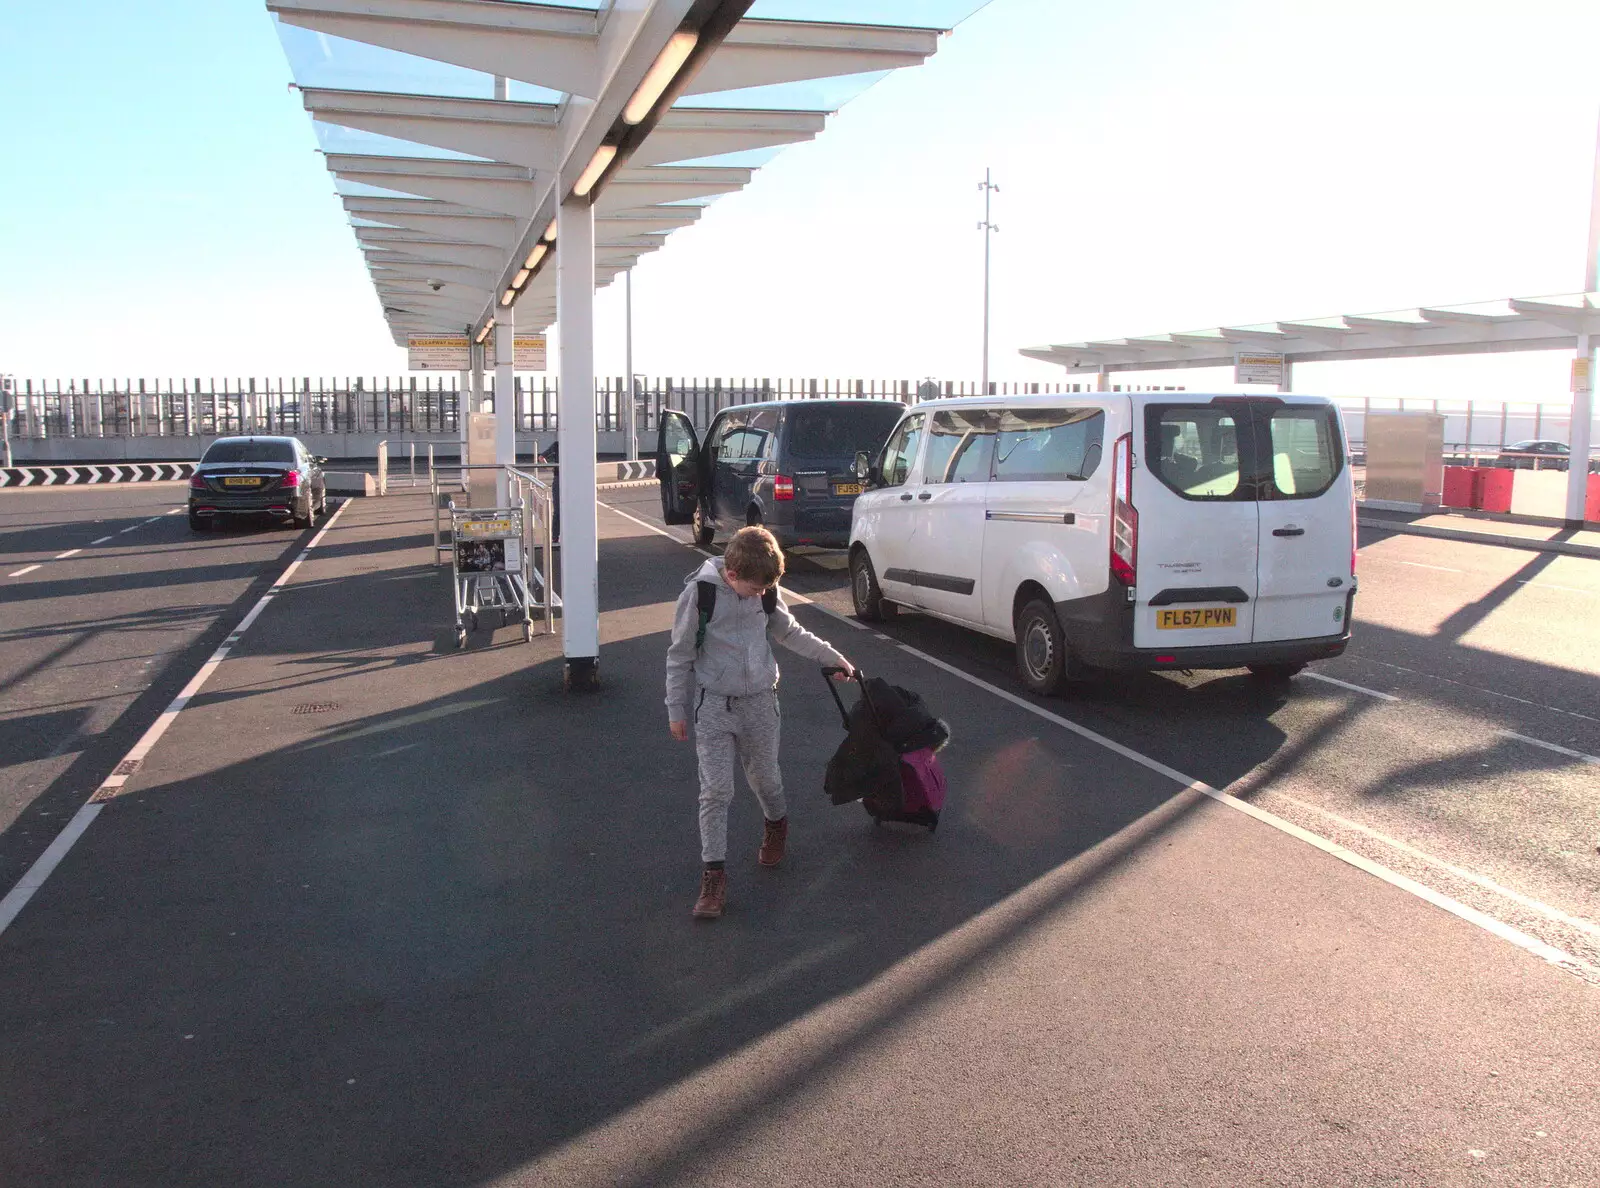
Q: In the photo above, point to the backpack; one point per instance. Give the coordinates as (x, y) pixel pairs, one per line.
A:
(706, 592)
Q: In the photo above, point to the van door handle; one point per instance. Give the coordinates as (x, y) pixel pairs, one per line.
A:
(926, 495)
(905, 499)
(1288, 532)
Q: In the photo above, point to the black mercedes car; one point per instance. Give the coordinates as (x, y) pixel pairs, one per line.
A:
(257, 476)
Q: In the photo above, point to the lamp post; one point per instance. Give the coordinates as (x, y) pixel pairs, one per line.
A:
(988, 228)
(629, 410)
(1578, 431)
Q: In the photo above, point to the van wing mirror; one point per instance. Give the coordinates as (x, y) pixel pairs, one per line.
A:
(863, 467)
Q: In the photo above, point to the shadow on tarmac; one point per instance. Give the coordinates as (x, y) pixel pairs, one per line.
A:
(431, 943)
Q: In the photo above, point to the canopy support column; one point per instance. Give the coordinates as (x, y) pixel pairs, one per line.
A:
(580, 547)
(505, 400)
(1579, 435)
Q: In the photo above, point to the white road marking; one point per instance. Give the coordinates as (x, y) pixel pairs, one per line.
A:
(1440, 568)
(1544, 909)
(1328, 680)
(1553, 586)
(129, 528)
(1549, 746)
(1515, 936)
(30, 882)
(101, 541)
(1480, 689)
(23, 570)
(65, 555)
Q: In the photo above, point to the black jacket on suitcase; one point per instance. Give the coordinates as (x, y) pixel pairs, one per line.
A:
(885, 723)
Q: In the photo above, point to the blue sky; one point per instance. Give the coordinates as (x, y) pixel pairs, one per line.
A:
(1164, 165)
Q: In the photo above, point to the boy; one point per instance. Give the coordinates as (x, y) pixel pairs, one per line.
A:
(735, 711)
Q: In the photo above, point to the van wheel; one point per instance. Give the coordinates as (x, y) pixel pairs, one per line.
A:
(704, 533)
(1275, 674)
(870, 604)
(1041, 648)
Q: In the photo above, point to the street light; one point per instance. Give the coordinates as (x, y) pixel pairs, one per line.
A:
(988, 228)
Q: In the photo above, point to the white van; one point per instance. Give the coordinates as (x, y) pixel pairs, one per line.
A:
(1126, 530)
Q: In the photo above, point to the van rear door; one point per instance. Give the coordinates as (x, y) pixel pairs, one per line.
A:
(1198, 527)
(1304, 571)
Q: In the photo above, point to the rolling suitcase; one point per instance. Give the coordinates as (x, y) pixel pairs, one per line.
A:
(887, 760)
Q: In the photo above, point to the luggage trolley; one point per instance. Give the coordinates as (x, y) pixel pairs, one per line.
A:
(490, 567)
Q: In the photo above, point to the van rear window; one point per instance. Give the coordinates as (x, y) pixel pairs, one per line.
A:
(1306, 451)
(1194, 450)
(836, 432)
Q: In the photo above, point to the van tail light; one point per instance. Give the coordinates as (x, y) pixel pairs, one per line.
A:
(782, 487)
(291, 479)
(1124, 516)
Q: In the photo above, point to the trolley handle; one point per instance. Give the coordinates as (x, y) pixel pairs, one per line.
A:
(831, 671)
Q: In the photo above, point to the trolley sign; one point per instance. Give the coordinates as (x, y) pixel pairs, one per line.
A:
(497, 528)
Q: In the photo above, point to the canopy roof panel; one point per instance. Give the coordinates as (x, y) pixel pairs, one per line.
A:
(453, 128)
(1508, 324)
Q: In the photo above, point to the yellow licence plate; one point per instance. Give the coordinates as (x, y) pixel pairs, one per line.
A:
(1197, 616)
(241, 482)
(847, 488)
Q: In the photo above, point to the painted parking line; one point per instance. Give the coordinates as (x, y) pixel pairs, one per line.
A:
(1440, 568)
(1488, 923)
(23, 570)
(65, 555)
(101, 541)
(17, 898)
(1328, 680)
(1549, 746)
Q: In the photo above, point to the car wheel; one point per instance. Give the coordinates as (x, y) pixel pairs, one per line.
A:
(197, 523)
(1041, 648)
(704, 533)
(303, 519)
(1275, 674)
(865, 593)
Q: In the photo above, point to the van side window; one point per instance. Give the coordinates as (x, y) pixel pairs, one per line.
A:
(960, 447)
(1306, 451)
(900, 454)
(1194, 450)
(722, 444)
(763, 427)
(1048, 444)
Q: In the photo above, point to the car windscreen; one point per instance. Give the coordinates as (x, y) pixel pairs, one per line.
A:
(250, 451)
(836, 432)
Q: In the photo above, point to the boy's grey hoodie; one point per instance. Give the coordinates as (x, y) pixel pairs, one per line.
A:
(737, 658)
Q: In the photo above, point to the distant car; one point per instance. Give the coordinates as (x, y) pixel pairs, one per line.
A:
(1534, 454)
(276, 477)
(787, 465)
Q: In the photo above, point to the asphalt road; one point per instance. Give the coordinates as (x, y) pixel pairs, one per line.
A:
(108, 603)
(378, 911)
(1458, 649)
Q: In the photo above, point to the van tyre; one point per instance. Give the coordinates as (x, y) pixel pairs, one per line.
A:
(1275, 674)
(865, 593)
(1041, 648)
(704, 533)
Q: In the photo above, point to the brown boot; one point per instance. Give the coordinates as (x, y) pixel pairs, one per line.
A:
(713, 894)
(771, 852)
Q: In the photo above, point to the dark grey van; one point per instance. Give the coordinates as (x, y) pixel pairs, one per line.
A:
(787, 465)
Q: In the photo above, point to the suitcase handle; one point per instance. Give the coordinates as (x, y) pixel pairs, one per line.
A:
(828, 674)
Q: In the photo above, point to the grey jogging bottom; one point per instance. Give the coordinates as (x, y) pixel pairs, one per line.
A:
(725, 727)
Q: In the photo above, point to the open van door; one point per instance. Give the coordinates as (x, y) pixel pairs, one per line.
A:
(1307, 558)
(678, 469)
